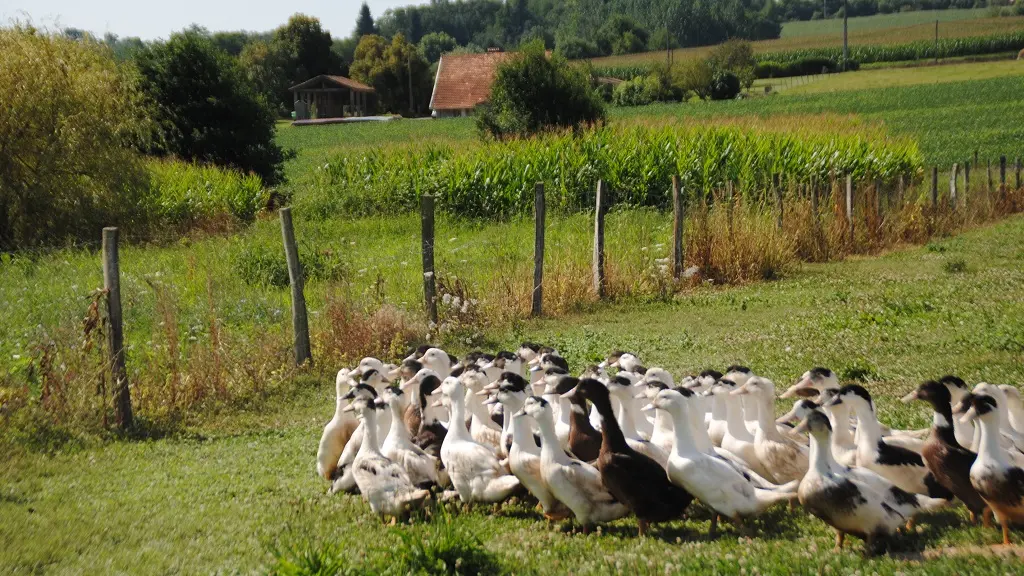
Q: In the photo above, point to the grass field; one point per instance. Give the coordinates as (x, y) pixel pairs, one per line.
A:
(881, 22)
(894, 77)
(223, 496)
(863, 37)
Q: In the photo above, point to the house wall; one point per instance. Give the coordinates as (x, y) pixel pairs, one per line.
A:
(453, 113)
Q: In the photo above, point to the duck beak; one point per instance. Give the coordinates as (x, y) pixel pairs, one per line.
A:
(437, 404)
(568, 395)
(910, 397)
(786, 418)
(349, 408)
(969, 416)
(739, 391)
(491, 400)
(487, 366)
(801, 428)
(603, 364)
(435, 391)
(648, 408)
(795, 389)
(535, 368)
(640, 396)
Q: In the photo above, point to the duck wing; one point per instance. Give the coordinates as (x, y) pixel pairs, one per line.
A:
(643, 486)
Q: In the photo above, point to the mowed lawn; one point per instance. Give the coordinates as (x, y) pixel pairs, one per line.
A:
(221, 496)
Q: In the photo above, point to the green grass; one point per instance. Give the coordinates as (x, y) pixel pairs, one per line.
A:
(949, 120)
(893, 77)
(880, 22)
(225, 496)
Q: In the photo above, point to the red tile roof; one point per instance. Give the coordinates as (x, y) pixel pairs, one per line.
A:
(340, 81)
(464, 80)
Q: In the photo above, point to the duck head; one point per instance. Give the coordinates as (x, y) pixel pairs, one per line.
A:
(595, 372)
(361, 406)
(509, 389)
(801, 408)
(343, 382)
(417, 353)
(528, 351)
(756, 386)
(360, 391)
(393, 396)
(559, 384)
(982, 407)
(956, 386)
(738, 374)
(812, 382)
(853, 395)
(668, 400)
(658, 374)
(537, 408)
(650, 389)
(437, 360)
(816, 424)
(931, 392)
(375, 378)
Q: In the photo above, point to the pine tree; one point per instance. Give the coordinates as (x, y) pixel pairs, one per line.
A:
(365, 25)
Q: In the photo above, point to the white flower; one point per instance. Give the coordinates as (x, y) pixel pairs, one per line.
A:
(447, 298)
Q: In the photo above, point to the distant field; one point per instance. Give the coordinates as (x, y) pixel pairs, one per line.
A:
(879, 21)
(865, 37)
(892, 77)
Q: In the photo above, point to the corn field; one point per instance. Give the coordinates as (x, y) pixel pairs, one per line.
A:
(637, 162)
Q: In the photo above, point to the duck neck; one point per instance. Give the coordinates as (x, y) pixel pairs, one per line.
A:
(564, 409)
(579, 417)
(398, 429)
(370, 444)
(839, 417)
(476, 408)
(942, 422)
(821, 454)
(734, 420)
(765, 420)
(989, 448)
(522, 436)
(549, 446)
(612, 438)
(627, 419)
(869, 432)
(701, 439)
(457, 422)
(511, 406)
(682, 433)
(718, 408)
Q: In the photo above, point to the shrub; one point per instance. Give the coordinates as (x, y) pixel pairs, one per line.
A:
(573, 48)
(725, 85)
(207, 108)
(265, 265)
(634, 92)
(693, 77)
(71, 117)
(186, 194)
(446, 548)
(532, 92)
(736, 56)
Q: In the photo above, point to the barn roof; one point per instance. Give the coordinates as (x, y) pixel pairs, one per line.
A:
(464, 80)
(339, 81)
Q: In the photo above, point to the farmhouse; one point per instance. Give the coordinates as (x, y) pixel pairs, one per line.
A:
(327, 96)
(464, 81)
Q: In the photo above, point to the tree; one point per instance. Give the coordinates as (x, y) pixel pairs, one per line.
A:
(72, 122)
(387, 67)
(264, 66)
(532, 93)
(305, 49)
(207, 108)
(436, 43)
(364, 24)
(736, 56)
(693, 76)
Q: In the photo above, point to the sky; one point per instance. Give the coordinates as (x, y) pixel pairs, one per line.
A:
(151, 19)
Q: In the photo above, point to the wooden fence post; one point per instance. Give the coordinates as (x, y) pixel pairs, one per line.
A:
(967, 178)
(300, 323)
(849, 204)
(1002, 177)
(678, 217)
(976, 164)
(900, 190)
(538, 249)
(935, 187)
(115, 328)
(729, 191)
(1017, 169)
(952, 184)
(598, 264)
(815, 224)
(777, 184)
(427, 250)
(878, 200)
(989, 169)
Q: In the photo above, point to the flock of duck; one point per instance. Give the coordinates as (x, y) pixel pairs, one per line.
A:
(621, 439)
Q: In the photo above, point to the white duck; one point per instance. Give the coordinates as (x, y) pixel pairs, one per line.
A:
(624, 361)
(383, 483)
(844, 450)
(812, 382)
(482, 428)
(965, 433)
(574, 483)
(783, 459)
(628, 415)
(904, 468)
(1014, 407)
(524, 462)
(740, 375)
(842, 501)
(437, 360)
(343, 480)
(472, 467)
(511, 392)
(736, 439)
(338, 431)
(422, 468)
(1011, 439)
(711, 480)
(999, 482)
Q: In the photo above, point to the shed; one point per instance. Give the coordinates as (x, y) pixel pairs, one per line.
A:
(332, 96)
(463, 82)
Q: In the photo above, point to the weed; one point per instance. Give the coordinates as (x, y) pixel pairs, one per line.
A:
(955, 266)
(444, 547)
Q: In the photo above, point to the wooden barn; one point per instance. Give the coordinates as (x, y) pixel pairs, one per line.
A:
(327, 96)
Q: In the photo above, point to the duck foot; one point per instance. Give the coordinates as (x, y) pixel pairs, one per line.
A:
(1006, 530)
(986, 518)
(642, 527)
(713, 532)
(840, 539)
(910, 525)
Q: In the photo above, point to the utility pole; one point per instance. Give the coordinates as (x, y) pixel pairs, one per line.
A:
(408, 63)
(824, 9)
(846, 46)
(936, 40)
